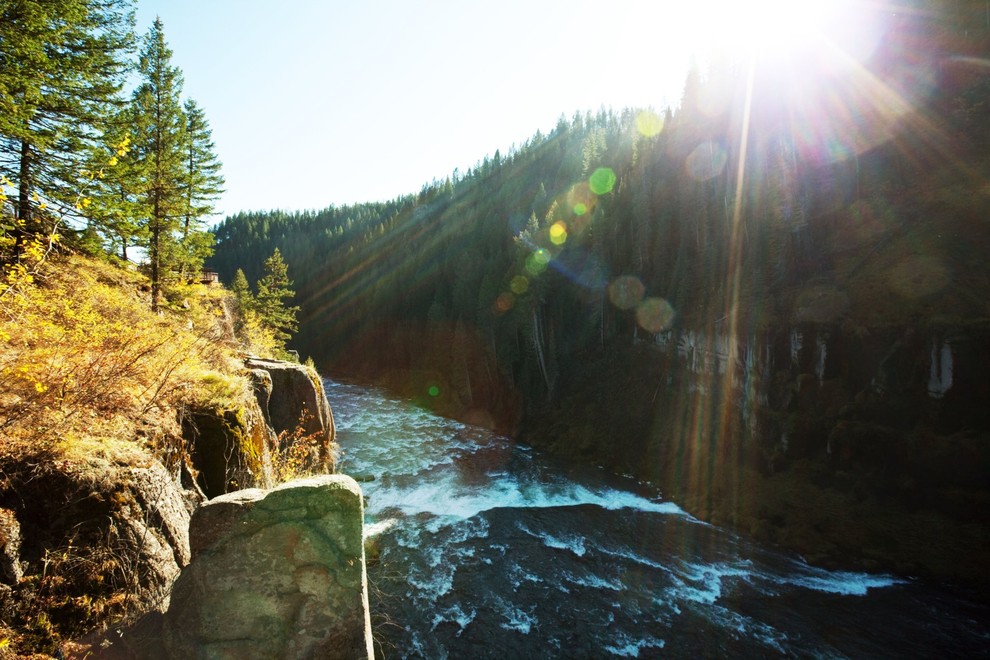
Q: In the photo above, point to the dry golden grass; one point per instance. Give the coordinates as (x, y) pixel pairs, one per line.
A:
(86, 369)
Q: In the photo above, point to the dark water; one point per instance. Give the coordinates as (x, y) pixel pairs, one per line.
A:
(488, 551)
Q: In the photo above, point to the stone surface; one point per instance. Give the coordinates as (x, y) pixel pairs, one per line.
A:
(275, 574)
(155, 524)
(296, 397)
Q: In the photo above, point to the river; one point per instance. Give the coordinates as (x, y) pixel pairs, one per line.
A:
(487, 550)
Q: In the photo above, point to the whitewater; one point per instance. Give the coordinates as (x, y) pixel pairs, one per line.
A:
(481, 548)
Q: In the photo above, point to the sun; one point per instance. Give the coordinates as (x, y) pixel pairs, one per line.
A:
(771, 28)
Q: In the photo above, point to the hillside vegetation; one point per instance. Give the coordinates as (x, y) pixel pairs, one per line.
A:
(97, 390)
(93, 382)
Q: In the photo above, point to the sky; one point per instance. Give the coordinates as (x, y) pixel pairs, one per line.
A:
(315, 103)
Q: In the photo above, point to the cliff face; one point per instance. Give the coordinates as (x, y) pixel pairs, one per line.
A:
(286, 426)
(89, 543)
(91, 540)
(854, 446)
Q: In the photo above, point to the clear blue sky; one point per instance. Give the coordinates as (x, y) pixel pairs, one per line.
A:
(315, 103)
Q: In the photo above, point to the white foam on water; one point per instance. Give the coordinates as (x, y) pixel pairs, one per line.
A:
(593, 582)
(630, 555)
(702, 583)
(625, 646)
(741, 626)
(573, 543)
(448, 494)
(434, 583)
(837, 582)
(517, 575)
(456, 615)
(374, 529)
(515, 618)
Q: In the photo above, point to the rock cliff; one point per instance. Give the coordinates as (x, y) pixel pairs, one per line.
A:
(296, 404)
(854, 446)
(244, 446)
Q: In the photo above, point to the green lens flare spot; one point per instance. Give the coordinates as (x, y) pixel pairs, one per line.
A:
(537, 262)
(580, 209)
(519, 284)
(626, 292)
(655, 315)
(434, 391)
(602, 181)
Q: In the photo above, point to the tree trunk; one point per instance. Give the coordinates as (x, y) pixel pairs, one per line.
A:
(155, 253)
(23, 200)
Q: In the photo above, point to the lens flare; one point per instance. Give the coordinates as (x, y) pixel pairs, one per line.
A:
(505, 302)
(626, 292)
(519, 285)
(706, 161)
(537, 262)
(602, 181)
(649, 123)
(558, 233)
(655, 315)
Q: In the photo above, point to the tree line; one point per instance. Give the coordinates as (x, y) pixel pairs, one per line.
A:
(81, 161)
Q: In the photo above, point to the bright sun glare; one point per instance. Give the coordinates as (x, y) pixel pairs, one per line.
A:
(768, 28)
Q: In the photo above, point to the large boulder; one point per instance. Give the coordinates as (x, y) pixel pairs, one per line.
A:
(274, 574)
(97, 540)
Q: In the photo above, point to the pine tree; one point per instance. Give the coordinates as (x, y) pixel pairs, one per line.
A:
(159, 143)
(273, 289)
(202, 184)
(62, 66)
(112, 206)
(243, 299)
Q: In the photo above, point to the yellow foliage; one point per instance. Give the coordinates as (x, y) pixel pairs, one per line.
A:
(82, 357)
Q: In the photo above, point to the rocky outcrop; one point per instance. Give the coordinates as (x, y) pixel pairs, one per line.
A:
(277, 574)
(296, 405)
(231, 448)
(274, 574)
(97, 541)
(287, 421)
(154, 521)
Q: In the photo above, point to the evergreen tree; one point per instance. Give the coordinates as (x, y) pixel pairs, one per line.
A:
(111, 206)
(274, 288)
(243, 299)
(159, 126)
(62, 66)
(202, 184)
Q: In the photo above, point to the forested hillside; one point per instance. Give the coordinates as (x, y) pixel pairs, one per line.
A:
(766, 184)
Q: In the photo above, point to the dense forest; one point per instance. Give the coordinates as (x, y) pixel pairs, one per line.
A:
(763, 279)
